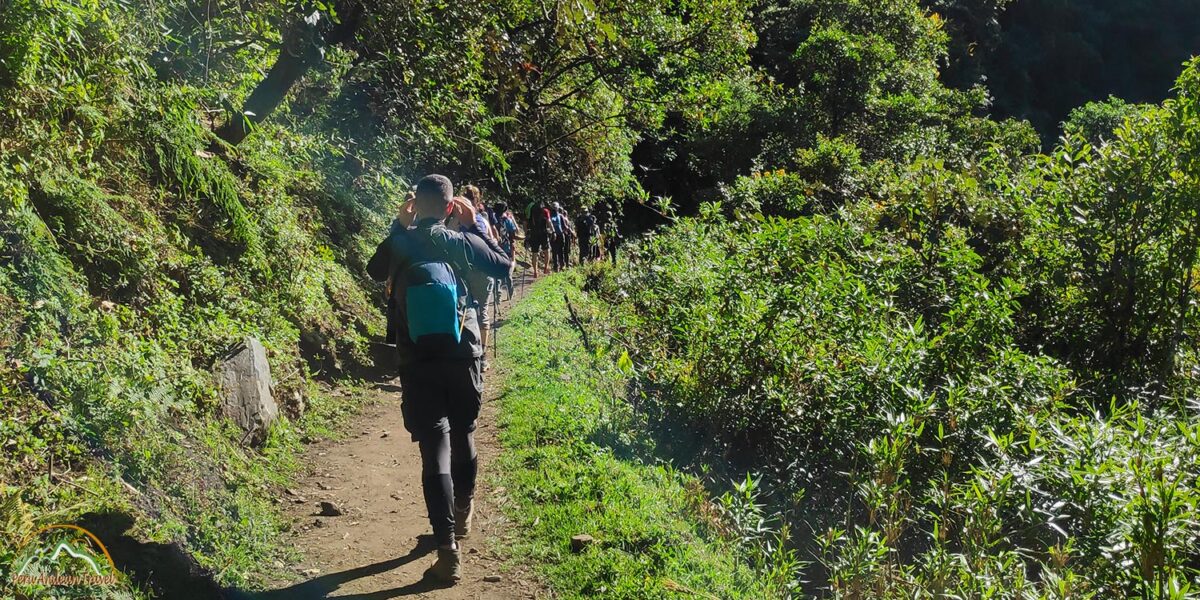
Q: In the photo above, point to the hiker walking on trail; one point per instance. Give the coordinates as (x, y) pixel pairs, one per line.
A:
(539, 236)
(585, 226)
(438, 342)
(569, 242)
(506, 228)
(559, 240)
(612, 236)
(479, 284)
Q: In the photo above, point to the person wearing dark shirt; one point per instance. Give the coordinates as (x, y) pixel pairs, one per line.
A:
(538, 236)
(442, 388)
(585, 226)
(612, 236)
(559, 236)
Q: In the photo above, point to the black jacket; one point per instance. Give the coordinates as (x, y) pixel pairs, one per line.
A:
(467, 252)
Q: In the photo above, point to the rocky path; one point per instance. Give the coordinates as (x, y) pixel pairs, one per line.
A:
(380, 544)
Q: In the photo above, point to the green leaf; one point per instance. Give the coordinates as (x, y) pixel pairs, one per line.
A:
(625, 364)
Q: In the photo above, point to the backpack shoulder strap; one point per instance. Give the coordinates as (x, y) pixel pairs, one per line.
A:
(422, 249)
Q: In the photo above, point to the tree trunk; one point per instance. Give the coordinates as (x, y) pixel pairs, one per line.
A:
(298, 55)
(302, 49)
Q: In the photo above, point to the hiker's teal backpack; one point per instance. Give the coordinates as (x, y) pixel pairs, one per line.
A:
(428, 302)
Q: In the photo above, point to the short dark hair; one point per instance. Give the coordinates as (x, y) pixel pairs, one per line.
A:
(434, 192)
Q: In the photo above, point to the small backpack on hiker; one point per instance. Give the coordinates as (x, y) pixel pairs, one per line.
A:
(427, 303)
(539, 222)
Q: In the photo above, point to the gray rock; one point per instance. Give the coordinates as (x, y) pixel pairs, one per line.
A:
(294, 404)
(245, 381)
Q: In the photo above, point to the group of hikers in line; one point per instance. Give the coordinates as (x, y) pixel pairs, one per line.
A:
(442, 261)
(552, 234)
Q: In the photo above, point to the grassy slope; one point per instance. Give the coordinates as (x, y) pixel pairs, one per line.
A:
(566, 472)
(131, 259)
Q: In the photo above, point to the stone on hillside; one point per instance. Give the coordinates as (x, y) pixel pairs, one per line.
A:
(294, 404)
(245, 380)
(580, 542)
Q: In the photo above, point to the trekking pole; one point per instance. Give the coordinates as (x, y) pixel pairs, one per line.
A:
(495, 321)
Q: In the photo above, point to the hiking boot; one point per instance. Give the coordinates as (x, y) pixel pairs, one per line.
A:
(448, 568)
(462, 519)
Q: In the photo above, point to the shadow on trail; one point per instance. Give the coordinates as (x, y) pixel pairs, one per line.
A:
(321, 587)
(169, 570)
(388, 387)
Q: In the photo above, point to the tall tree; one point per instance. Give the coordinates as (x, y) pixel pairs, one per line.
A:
(305, 39)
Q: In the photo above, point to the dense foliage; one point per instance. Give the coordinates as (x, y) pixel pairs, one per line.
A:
(981, 357)
(975, 380)
(833, 86)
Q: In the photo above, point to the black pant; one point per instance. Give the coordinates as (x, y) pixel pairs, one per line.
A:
(559, 251)
(585, 249)
(441, 401)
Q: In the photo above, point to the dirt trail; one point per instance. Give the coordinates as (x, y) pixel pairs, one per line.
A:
(380, 547)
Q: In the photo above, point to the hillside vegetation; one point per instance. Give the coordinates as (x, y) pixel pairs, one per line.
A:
(978, 381)
(131, 258)
(176, 176)
(909, 353)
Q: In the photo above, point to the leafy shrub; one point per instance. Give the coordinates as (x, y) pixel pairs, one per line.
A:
(835, 165)
(87, 225)
(970, 384)
(1117, 287)
(16, 50)
(821, 178)
(769, 193)
(1097, 122)
(197, 176)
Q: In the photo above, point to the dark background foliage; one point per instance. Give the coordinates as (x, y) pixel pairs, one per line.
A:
(1051, 56)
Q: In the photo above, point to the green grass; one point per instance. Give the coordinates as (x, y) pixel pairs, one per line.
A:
(571, 466)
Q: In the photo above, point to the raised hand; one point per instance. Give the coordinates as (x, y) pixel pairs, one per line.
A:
(463, 211)
(408, 212)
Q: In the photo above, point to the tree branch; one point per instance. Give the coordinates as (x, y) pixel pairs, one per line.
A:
(564, 136)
